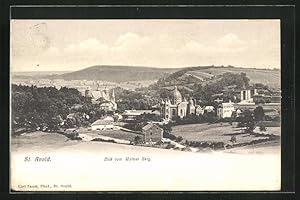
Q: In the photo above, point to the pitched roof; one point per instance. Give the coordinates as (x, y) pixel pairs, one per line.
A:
(150, 125)
(96, 94)
(136, 112)
(101, 122)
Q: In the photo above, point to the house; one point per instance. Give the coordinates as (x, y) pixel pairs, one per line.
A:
(152, 133)
(199, 110)
(262, 98)
(107, 106)
(209, 109)
(243, 95)
(225, 110)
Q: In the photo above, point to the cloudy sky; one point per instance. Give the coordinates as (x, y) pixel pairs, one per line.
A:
(68, 45)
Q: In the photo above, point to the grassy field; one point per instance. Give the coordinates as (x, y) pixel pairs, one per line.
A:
(117, 134)
(40, 140)
(220, 132)
(268, 77)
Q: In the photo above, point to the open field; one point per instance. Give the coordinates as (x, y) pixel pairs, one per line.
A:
(40, 141)
(269, 77)
(117, 134)
(261, 148)
(219, 132)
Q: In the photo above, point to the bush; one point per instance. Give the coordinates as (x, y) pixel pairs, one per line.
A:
(137, 139)
(169, 136)
(262, 128)
(178, 139)
(169, 146)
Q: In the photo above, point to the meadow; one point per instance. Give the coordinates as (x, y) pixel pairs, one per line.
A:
(219, 132)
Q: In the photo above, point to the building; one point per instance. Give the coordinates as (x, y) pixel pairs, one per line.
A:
(239, 95)
(262, 98)
(177, 106)
(152, 133)
(106, 100)
(199, 110)
(106, 123)
(132, 114)
(225, 110)
(209, 109)
(247, 94)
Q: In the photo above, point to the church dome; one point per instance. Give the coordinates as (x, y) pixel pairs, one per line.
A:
(177, 96)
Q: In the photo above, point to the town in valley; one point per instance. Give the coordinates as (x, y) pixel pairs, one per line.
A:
(198, 109)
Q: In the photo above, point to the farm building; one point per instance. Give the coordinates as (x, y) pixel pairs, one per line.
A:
(152, 133)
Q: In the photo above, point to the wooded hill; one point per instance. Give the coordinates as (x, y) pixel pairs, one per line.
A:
(116, 73)
(208, 74)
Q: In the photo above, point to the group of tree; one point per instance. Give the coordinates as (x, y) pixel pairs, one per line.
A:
(248, 119)
(45, 107)
(205, 93)
(134, 100)
(206, 117)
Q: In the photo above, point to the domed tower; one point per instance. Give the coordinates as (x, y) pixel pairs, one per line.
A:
(177, 97)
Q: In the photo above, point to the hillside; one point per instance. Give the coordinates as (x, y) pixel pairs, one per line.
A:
(116, 73)
(205, 74)
(36, 74)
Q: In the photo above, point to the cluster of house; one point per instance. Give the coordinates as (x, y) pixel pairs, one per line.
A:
(105, 98)
(247, 99)
(179, 107)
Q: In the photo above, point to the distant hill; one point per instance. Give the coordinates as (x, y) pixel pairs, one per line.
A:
(116, 73)
(205, 74)
(36, 74)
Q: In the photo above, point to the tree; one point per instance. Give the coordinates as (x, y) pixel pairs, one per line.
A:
(259, 114)
(45, 108)
(247, 121)
(167, 128)
(137, 139)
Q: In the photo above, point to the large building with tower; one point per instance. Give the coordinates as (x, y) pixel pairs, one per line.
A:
(177, 106)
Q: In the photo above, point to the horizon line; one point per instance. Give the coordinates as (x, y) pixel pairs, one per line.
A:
(139, 66)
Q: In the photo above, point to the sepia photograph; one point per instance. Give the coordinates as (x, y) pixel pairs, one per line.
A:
(145, 105)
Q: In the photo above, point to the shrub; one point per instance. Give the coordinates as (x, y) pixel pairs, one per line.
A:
(169, 146)
(179, 139)
(262, 128)
(169, 136)
(137, 139)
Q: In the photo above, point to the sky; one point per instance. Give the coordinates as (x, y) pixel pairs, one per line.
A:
(70, 45)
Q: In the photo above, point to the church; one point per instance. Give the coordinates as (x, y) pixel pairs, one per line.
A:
(178, 107)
